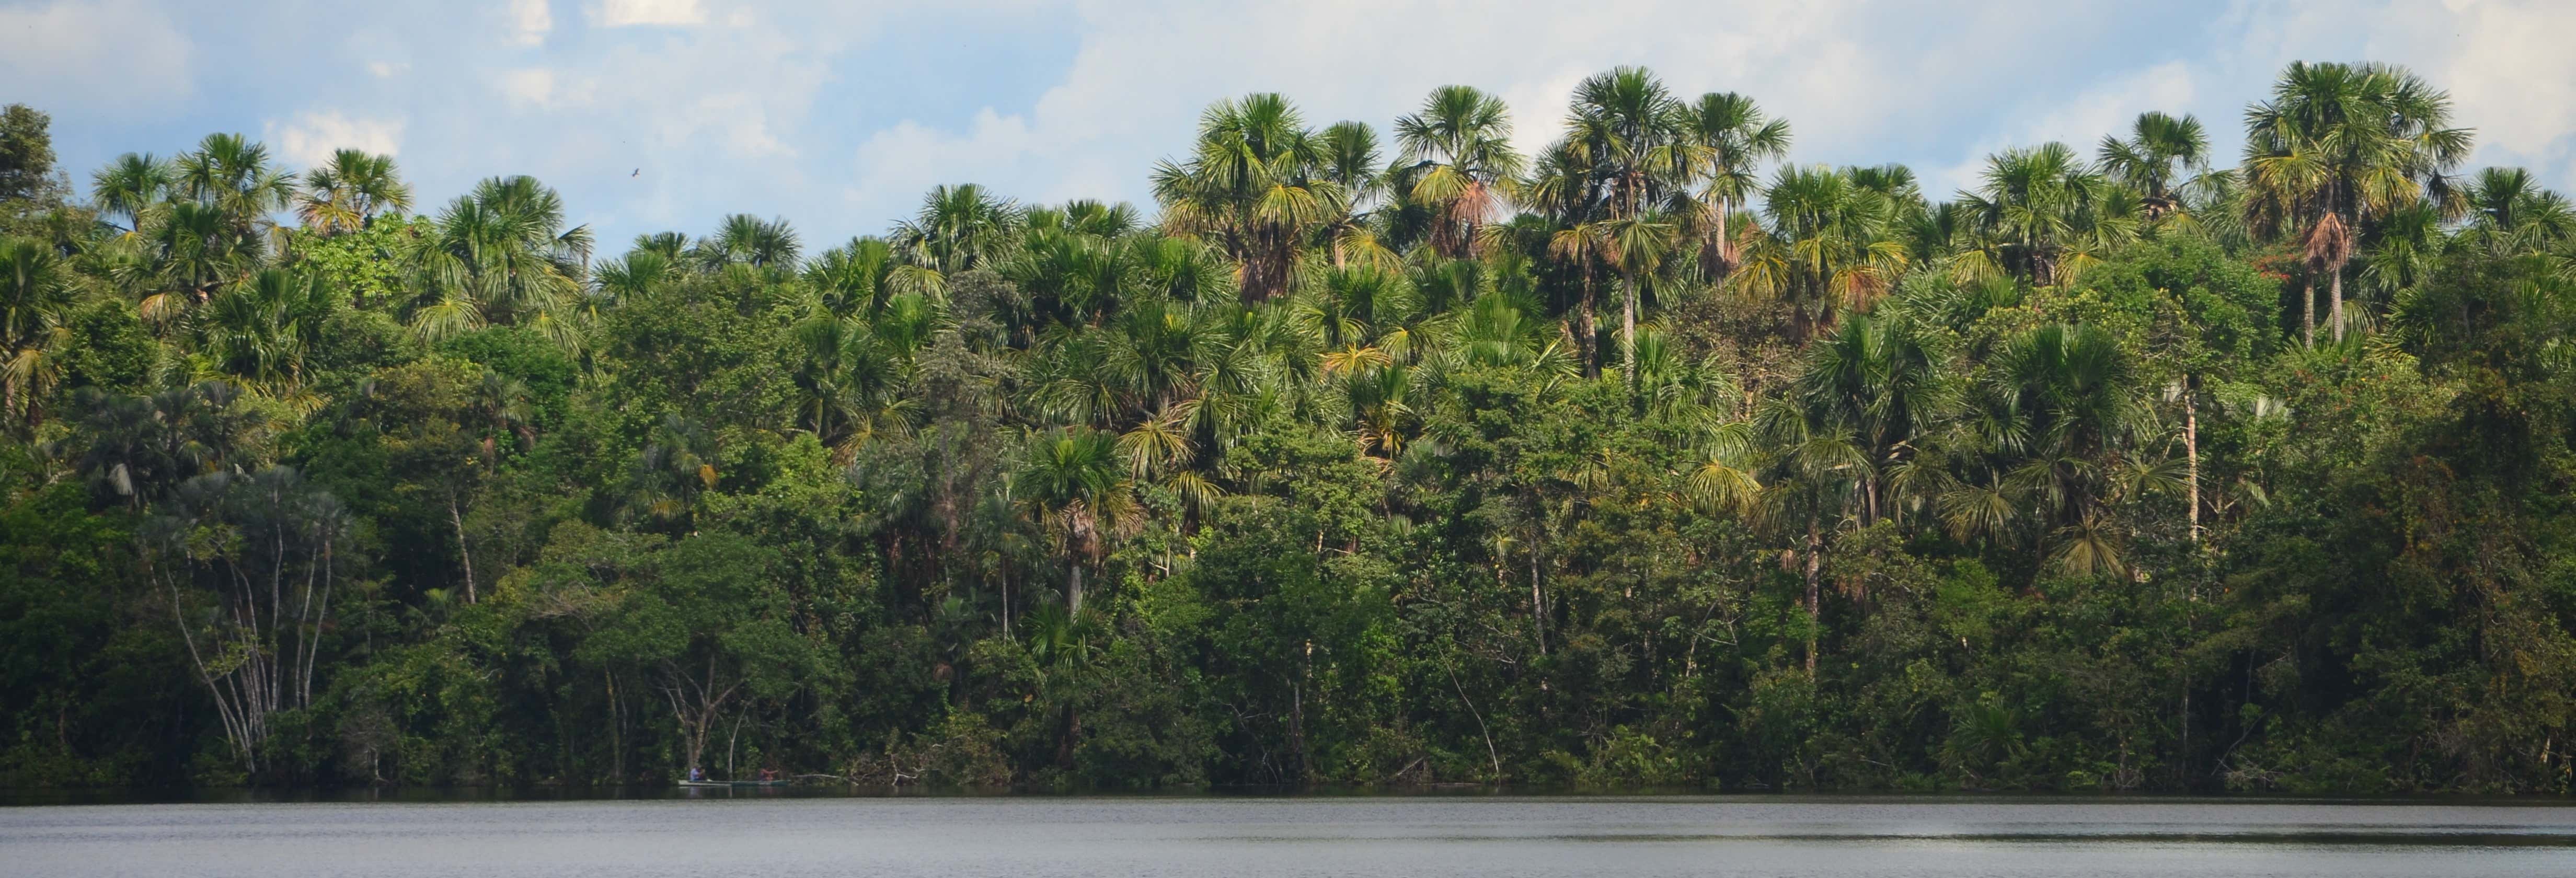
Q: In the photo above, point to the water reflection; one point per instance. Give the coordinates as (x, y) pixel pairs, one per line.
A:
(792, 832)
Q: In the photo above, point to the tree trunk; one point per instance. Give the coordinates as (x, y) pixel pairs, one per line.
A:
(2308, 312)
(1073, 592)
(1628, 331)
(1538, 601)
(2191, 456)
(1815, 569)
(1584, 331)
(462, 556)
(1725, 248)
(2334, 308)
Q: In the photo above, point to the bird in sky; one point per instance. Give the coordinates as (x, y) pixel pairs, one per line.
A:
(638, 173)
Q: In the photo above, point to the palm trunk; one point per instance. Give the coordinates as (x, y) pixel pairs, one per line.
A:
(1073, 592)
(1815, 569)
(1725, 247)
(2308, 312)
(1628, 331)
(462, 556)
(2334, 309)
(1583, 328)
(1538, 600)
(2191, 456)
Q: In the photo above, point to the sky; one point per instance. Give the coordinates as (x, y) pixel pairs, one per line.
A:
(653, 115)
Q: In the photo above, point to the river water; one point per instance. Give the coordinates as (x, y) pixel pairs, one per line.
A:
(1045, 837)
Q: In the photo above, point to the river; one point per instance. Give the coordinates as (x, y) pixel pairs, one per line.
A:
(1488, 837)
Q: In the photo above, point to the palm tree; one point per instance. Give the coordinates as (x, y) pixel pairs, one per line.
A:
(1350, 162)
(258, 331)
(233, 175)
(1734, 139)
(1876, 384)
(2510, 214)
(2044, 215)
(36, 298)
(1460, 152)
(1073, 486)
(2162, 155)
(1635, 135)
(345, 194)
(1831, 247)
(2062, 406)
(958, 229)
(1636, 245)
(501, 255)
(1257, 183)
(193, 252)
(2338, 146)
(133, 184)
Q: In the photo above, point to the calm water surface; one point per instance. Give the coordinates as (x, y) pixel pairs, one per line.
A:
(1285, 837)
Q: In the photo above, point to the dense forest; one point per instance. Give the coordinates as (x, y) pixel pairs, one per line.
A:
(1653, 459)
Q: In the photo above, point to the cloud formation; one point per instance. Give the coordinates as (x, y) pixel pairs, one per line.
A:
(310, 138)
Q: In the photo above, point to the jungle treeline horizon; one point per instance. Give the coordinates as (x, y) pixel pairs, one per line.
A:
(1369, 454)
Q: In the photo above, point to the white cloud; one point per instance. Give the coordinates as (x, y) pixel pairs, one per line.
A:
(93, 54)
(629, 13)
(528, 87)
(2107, 108)
(530, 21)
(896, 165)
(388, 69)
(310, 138)
(2513, 78)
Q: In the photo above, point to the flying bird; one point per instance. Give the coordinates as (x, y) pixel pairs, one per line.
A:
(638, 173)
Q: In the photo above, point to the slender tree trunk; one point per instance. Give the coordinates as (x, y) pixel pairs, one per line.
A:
(1073, 592)
(2308, 312)
(1585, 332)
(1725, 247)
(1628, 331)
(1815, 570)
(462, 556)
(1491, 755)
(2334, 308)
(2191, 456)
(1538, 600)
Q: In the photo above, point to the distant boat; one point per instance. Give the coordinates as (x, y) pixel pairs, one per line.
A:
(736, 783)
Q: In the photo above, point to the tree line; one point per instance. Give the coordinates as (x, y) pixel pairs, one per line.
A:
(1651, 459)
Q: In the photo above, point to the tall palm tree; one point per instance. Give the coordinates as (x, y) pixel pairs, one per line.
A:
(2340, 145)
(1635, 134)
(1256, 182)
(1351, 162)
(1832, 246)
(2161, 156)
(36, 298)
(346, 193)
(1074, 486)
(1735, 139)
(234, 176)
(1876, 384)
(501, 254)
(2045, 214)
(1462, 162)
(1636, 245)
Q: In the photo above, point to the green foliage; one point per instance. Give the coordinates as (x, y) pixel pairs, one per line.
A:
(1324, 473)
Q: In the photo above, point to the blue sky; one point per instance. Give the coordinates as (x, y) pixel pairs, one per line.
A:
(837, 115)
